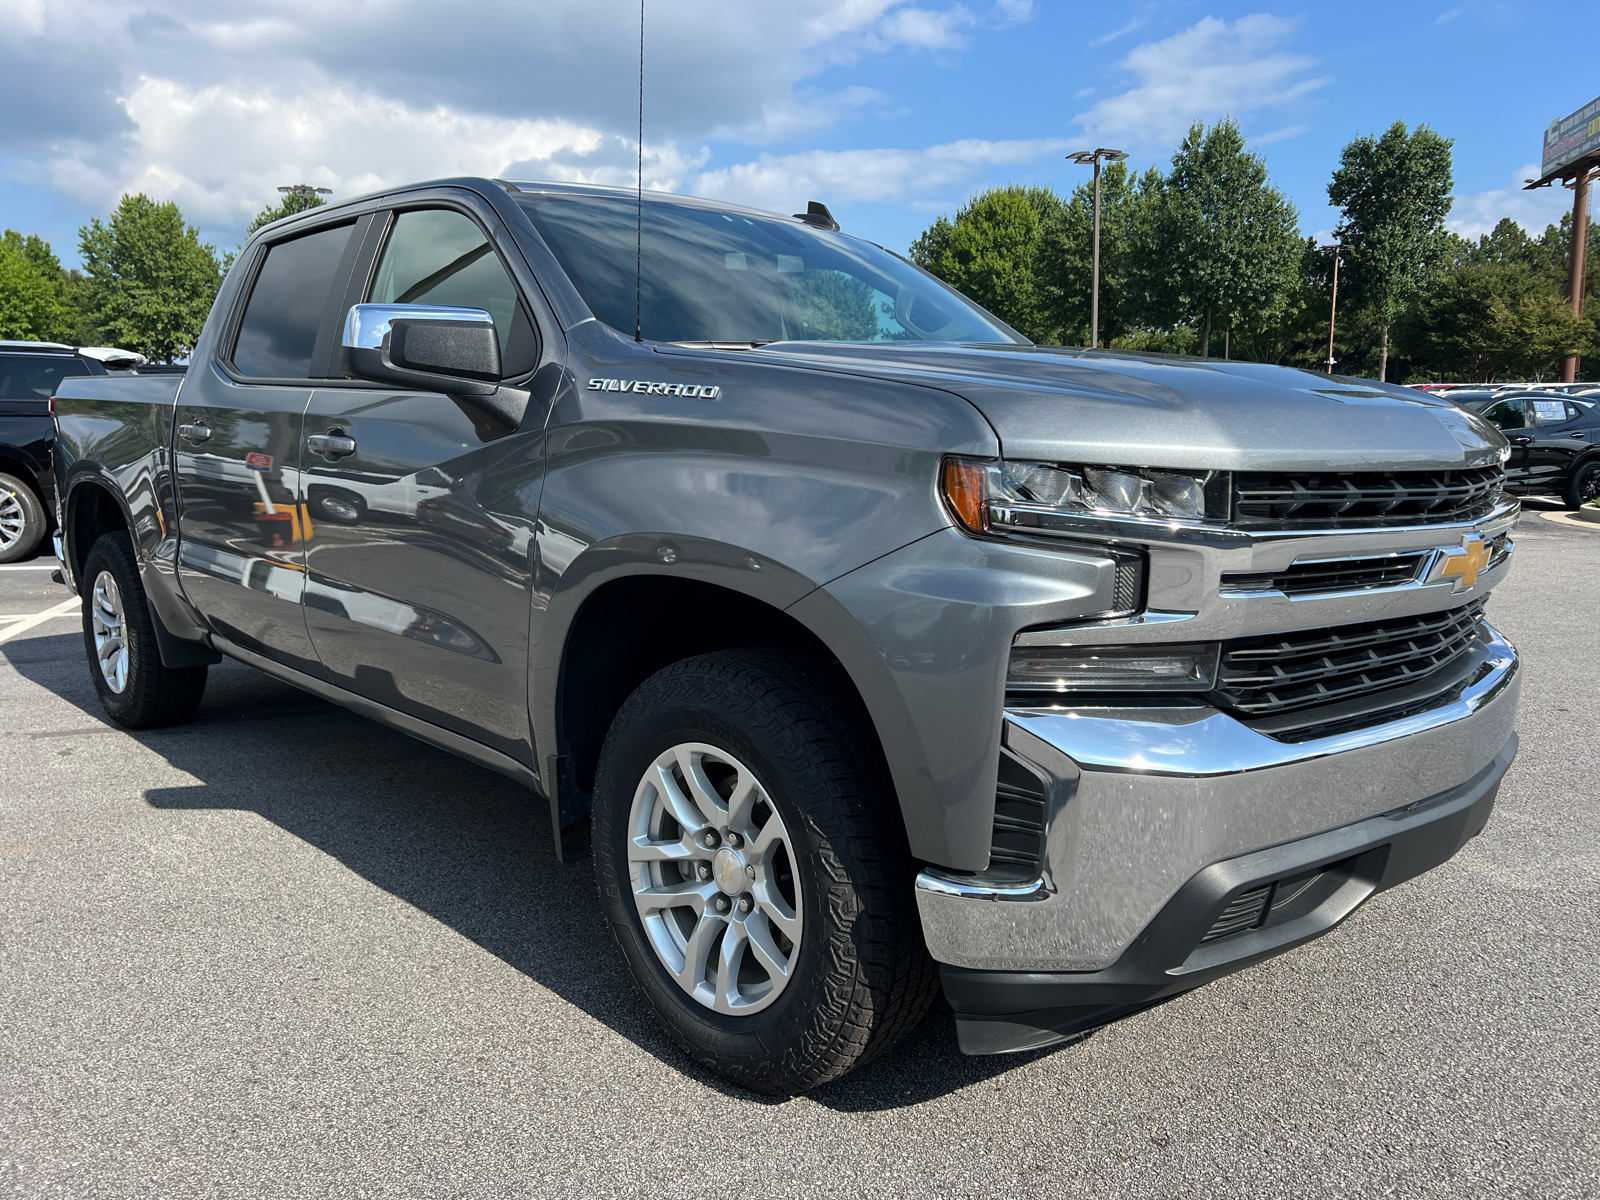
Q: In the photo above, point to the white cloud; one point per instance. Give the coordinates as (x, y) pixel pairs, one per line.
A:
(1449, 15)
(218, 151)
(783, 182)
(924, 29)
(215, 103)
(1278, 135)
(1116, 33)
(1211, 69)
(1476, 214)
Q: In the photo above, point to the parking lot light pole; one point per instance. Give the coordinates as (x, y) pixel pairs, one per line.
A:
(1333, 308)
(1084, 158)
(305, 191)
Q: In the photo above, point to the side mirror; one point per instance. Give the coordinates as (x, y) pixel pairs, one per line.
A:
(423, 347)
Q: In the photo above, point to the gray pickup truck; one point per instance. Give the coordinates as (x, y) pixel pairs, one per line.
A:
(871, 648)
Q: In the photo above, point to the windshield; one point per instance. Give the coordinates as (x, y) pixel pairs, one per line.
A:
(710, 276)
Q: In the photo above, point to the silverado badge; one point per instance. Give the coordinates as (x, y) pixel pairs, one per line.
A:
(691, 391)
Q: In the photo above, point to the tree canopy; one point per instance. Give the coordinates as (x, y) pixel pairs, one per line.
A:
(149, 279)
(1395, 193)
(991, 254)
(292, 202)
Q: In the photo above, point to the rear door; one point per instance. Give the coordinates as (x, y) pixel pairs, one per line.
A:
(419, 569)
(1560, 433)
(241, 556)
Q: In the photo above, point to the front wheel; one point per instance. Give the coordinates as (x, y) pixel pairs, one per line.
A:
(1584, 485)
(750, 860)
(135, 687)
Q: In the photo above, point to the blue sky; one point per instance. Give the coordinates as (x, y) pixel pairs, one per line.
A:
(889, 112)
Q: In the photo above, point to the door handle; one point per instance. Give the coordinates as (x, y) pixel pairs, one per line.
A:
(1577, 433)
(195, 433)
(1521, 441)
(332, 445)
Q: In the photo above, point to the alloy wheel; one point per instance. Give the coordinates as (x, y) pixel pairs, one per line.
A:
(712, 869)
(13, 519)
(110, 626)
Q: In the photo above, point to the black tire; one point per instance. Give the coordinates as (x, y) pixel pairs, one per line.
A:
(861, 976)
(22, 519)
(1583, 485)
(152, 693)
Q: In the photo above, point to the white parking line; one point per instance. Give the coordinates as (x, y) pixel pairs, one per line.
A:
(29, 567)
(49, 614)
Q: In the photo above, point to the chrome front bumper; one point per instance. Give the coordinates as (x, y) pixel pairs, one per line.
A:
(1143, 800)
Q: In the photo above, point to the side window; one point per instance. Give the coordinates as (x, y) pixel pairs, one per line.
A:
(34, 376)
(1549, 412)
(1507, 414)
(437, 256)
(284, 312)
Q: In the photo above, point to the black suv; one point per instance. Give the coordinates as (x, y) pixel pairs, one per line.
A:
(29, 373)
(1555, 444)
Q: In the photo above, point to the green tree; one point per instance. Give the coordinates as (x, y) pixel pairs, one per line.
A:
(837, 307)
(1217, 243)
(33, 290)
(991, 251)
(291, 203)
(149, 279)
(1394, 191)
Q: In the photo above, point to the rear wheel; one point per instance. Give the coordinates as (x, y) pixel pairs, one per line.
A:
(750, 861)
(135, 687)
(1584, 485)
(22, 520)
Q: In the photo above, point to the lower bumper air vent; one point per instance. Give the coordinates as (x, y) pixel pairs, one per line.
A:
(1245, 912)
(1021, 803)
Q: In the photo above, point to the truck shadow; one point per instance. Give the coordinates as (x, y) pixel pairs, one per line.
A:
(468, 847)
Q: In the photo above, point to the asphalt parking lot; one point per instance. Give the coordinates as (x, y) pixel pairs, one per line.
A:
(282, 951)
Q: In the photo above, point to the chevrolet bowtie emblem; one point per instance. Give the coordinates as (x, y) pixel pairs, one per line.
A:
(1467, 563)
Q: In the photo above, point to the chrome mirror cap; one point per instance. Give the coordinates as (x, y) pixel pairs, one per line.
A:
(367, 324)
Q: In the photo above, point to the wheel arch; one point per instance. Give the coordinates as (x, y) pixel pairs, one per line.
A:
(634, 622)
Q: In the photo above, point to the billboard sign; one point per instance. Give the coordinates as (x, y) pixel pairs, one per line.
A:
(1571, 138)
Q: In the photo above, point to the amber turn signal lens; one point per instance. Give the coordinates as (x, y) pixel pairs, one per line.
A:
(963, 487)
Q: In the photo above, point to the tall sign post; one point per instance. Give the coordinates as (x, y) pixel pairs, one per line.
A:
(1572, 154)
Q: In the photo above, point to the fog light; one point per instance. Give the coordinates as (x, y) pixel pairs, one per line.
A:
(1188, 668)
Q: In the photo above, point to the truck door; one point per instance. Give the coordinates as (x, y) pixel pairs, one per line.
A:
(418, 585)
(1560, 433)
(241, 556)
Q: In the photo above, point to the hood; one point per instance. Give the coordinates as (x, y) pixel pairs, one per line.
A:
(1135, 410)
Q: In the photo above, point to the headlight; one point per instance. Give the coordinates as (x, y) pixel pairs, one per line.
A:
(1187, 668)
(987, 497)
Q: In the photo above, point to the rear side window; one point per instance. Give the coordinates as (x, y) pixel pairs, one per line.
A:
(34, 376)
(281, 320)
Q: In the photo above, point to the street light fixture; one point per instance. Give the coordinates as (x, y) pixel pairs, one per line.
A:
(1084, 158)
(1333, 308)
(305, 191)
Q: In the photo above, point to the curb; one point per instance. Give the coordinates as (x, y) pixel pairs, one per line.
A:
(1577, 520)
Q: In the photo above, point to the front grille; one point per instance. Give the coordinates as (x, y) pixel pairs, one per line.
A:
(1016, 848)
(1339, 575)
(1125, 592)
(1278, 500)
(1276, 673)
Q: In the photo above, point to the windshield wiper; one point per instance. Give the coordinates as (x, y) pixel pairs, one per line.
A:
(724, 345)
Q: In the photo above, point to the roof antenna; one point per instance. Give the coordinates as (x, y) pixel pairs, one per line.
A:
(638, 250)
